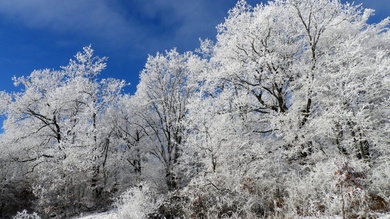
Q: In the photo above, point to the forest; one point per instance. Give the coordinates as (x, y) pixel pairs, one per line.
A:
(285, 115)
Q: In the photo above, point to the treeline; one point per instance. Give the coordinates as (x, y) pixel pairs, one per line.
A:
(286, 114)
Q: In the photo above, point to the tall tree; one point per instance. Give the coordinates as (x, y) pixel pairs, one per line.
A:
(162, 95)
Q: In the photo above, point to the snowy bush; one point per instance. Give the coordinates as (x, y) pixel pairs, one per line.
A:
(25, 215)
(313, 193)
(136, 202)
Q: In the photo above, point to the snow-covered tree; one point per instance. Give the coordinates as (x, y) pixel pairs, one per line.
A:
(130, 138)
(56, 125)
(288, 85)
(162, 95)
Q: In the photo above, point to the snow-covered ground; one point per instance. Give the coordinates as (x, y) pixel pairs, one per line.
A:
(112, 214)
(384, 216)
(379, 216)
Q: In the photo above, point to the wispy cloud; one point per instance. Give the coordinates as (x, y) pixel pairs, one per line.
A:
(179, 22)
(151, 23)
(87, 17)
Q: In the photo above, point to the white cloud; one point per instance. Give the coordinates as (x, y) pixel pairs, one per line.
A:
(184, 20)
(91, 18)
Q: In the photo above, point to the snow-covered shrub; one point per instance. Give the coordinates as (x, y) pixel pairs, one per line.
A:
(137, 202)
(173, 205)
(352, 189)
(62, 192)
(213, 197)
(200, 201)
(380, 177)
(329, 188)
(25, 215)
(311, 193)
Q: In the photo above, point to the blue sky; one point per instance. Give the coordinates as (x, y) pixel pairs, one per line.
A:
(37, 34)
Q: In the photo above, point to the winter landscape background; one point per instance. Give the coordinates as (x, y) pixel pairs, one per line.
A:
(283, 114)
